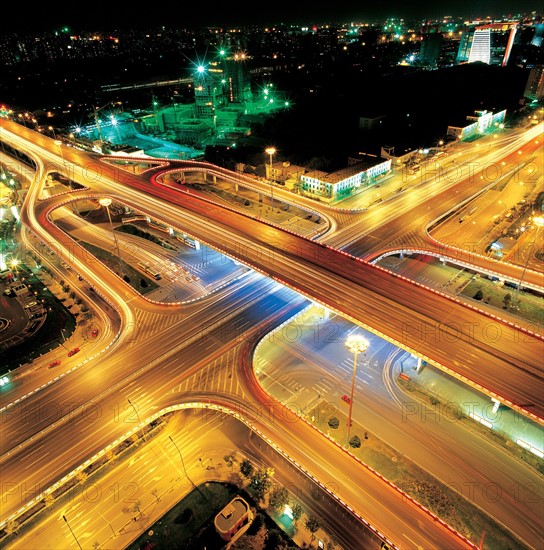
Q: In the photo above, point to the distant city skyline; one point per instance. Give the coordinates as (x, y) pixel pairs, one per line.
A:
(113, 16)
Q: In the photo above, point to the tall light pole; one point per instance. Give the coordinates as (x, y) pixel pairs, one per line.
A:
(138, 417)
(182, 463)
(106, 201)
(73, 534)
(271, 151)
(356, 344)
(539, 222)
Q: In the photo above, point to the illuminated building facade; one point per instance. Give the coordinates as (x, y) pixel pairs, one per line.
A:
(534, 89)
(346, 181)
(490, 44)
(481, 122)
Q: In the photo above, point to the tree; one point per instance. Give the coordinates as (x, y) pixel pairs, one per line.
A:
(256, 524)
(137, 507)
(261, 482)
(506, 300)
(479, 295)
(355, 442)
(312, 525)
(334, 422)
(246, 468)
(274, 540)
(11, 527)
(279, 497)
(297, 511)
(229, 459)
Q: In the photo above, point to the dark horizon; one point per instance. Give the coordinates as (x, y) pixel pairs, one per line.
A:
(113, 17)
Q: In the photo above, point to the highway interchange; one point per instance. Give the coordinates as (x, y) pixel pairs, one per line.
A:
(141, 366)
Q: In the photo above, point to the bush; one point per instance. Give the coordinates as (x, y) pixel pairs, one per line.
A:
(355, 442)
(185, 517)
(334, 422)
(256, 524)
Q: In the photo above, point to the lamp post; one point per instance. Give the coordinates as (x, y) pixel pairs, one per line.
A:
(73, 534)
(271, 151)
(138, 417)
(356, 344)
(184, 470)
(539, 222)
(106, 201)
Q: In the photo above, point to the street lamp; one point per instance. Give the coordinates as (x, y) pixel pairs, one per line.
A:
(182, 462)
(356, 344)
(138, 417)
(539, 222)
(73, 534)
(106, 201)
(271, 151)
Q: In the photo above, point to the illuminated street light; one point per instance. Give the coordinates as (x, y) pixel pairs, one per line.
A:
(539, 222)
(73, 534)
(182, 462)
(271, 151)
(138, 417)
(106, 201)
(356, 344)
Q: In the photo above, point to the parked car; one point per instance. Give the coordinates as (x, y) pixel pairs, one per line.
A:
(95, 333)
(73, 352)
(346, 398)
(54, 364)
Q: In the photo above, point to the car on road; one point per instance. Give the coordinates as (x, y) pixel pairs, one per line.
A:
(346, 398)
(54, 364)
(73, 352)
(95, 333)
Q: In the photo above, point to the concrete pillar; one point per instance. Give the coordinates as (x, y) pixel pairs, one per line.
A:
(419, 364)
(236, 187)
(496, 405)
(197, 245)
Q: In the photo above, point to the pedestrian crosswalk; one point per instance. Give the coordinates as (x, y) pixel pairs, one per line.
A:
(219, 376)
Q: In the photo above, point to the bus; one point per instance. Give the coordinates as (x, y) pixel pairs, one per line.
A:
(149, 270)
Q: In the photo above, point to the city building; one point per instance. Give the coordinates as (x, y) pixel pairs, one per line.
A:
(398, 155)
(346, 181)
(534, 89)
(281, 172)
(232, 518)
(370, 122)
(480, 122)
(431, 44)
(491, 43)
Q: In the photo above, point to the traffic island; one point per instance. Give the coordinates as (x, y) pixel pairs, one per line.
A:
(440, 499)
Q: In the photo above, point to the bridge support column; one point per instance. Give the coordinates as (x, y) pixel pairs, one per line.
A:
(236, 187)
(197, 245)
(214, 179)
(496, 405)
(419, 364)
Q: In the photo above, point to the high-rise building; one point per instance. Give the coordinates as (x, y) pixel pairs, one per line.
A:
(491, 43)
(481, 46)
(429, 51)
(238, 83)
(534, 89)
(208, 93)
(539, 34)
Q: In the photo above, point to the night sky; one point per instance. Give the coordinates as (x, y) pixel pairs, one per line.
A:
(100, 15)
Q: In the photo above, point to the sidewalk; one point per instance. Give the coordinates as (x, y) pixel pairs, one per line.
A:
(451, 392)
